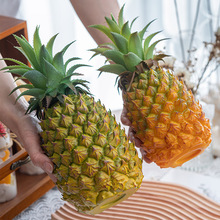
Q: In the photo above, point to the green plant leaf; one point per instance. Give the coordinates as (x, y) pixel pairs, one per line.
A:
(131, 61)
(133, 22)
(58, 62)
(32, 92)
(53, 76)
(114, 55)
(125, 30)
(44, 55)
(121, 17)
(112, 25)
(104, 29)
(73, 68)
(142, 32)
(121, 42)
(148, 54)
(70, 60)
(37, 43)
(135, 45)
(148, 40)
(113, 68)
(36, 78)
(28, 51)
(50, 44)
(25, 86)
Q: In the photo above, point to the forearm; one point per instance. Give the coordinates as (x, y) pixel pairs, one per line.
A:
(10, 110)
(93, 12)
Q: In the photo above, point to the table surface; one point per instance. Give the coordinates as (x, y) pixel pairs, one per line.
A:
(205, 181)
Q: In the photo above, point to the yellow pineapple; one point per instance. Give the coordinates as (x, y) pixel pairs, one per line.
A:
(163, 113)
(95, 164)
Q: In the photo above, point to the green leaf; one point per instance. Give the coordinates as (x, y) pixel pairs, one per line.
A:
(36, 78)
(125, 30)
(142, 32)
(53, 76)
(32, 92)
(25, 86)
(135, 45)
(73, 68)
(58, 62)
(44, 55)
(37, 43)
(131, 61)
(104, 29)
(49, 45)
(113, 68)
(133, 22)
(70, 60)
(121, 17)
(121, 42)
(66, 47)
(148, 39)
(114, 55)
(16, 61)
(112, 25)
(28, 51)
(148, 54)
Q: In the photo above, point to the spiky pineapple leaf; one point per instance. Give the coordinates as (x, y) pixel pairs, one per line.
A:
(44, 55)
(135, 45)
(25, 86)
(104, 29)
(73, 68)
(148, 40)
(53, 76)
(112, 25)
(58, 62)
(142, 32)
(132, 22)
(121, 17)
(113, 68)
(114, 55)
(36, 78)
(121, 42)
(131, 61)
(50, 44)
(70, 60)
(149, 52)
(125, 30)
(33, 92)
(27, 50)
(37, 43)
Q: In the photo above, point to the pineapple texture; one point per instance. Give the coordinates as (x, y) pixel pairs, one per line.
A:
(95, 164)
(166, 118)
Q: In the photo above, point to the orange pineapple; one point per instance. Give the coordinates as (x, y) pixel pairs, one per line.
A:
(163, 113)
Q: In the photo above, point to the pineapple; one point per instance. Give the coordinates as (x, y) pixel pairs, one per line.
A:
(163, 113)
(95, 164)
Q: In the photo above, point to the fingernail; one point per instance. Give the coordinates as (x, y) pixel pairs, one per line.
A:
(48, 167)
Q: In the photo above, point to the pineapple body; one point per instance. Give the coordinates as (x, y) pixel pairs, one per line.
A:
(95, 164)
(166, 118)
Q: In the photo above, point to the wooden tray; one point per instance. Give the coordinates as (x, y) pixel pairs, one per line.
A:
(30, 188)
(153, 201)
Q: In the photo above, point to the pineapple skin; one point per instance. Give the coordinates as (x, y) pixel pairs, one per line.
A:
(166, 118)
(95, 164)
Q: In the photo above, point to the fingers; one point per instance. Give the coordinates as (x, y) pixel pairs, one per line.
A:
(144, 155)
(124, 118)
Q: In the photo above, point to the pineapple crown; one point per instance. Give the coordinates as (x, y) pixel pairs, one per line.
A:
(127, 49)
(48, 75)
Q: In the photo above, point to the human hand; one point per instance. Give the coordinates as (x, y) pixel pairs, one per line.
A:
(132, 135)
(28, 135)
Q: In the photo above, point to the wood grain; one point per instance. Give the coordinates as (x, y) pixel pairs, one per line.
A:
(30, 188)
(153, 201)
